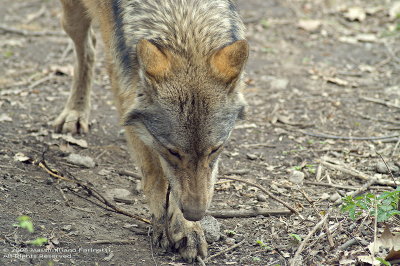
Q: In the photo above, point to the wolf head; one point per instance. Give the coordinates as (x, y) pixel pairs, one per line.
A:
(185, 110)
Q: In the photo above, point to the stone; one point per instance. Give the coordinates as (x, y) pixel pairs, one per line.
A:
(212, 228)
(81, 160)
(296, 177)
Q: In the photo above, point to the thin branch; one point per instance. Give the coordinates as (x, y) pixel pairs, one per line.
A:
(224, 251)
(380, 102)
(266, 192)
(247, 213)
(9, 29)
(93, 192)
(308, 237)
(328, 136)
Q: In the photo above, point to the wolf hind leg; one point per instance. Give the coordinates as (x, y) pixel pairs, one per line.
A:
(77, 24)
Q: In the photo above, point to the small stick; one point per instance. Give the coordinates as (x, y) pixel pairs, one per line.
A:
(327, 136)
(30, 33)
(238, 172)
(266, 192)
(318, 173)
(302, 245)
(395, 147)
(100, 242)
(40, 81)
(378, 119)
(328, 232)
(129, 173)
(358, 174)
(224, 251)
(93, 193)
(390, 172)
(380, 102)
(201, 261)
(247, 213)
(330, 185)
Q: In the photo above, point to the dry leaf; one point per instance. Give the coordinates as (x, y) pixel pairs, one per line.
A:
(68, 138)
(309, 24)
(387, 240)
(348, 39)
(337, 81)
(5, 118)
(365, 37)
(394, 10)
(355, 13)
(20, 157)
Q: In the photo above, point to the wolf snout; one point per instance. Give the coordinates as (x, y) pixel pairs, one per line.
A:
(193, 214)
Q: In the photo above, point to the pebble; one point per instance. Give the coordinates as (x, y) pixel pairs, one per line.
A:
(230, 241)
(279, 83)
(81, 160)
(251, 156)
(382, 168)
(261, 198)
(296, 177)
(324, 196)
(212, 228)
(335, 197)
(119, 194)
(67, 228)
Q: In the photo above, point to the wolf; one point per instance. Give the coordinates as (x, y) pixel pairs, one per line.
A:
(176, 70)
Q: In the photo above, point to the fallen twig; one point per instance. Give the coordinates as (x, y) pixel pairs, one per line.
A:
(328, 136)
(330, 185)
(9, 29)
(93, 192)
(351, 171)
(266, 192)
(101, 242)
(377, 119)
(201, 261)
(395, 147)
(380, 102)
(318, 212)
(304, 242)
(224, 251)
(129, 173)
(246, 213)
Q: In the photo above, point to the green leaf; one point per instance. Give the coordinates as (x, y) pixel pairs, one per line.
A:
(40, 241)
(26, 223)
(295, 236)
(384, 262)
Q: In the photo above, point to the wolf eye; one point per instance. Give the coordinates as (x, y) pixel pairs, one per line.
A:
(174, 153)
(215, 150)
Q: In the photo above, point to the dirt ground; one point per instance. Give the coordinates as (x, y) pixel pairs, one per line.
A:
(316, 68)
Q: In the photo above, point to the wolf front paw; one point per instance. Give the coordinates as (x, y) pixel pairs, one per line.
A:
(183, 236)
(72, 121)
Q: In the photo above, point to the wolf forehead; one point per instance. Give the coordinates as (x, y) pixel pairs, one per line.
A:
(193, 124)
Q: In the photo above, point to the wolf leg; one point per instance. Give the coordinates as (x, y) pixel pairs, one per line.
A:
(76, 23)
(171, 231)
(185, 236)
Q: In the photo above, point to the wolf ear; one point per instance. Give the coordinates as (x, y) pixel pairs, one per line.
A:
(155, 62)
(228, 62)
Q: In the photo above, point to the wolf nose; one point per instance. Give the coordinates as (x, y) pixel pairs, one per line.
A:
(193, 214)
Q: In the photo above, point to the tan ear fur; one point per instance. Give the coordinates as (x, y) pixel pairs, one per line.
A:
(156, 63)
(228, 62)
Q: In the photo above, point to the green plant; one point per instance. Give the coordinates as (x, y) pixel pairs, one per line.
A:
(296, 237)
(383, 262)
(262, 244)
(25, 222)
(386, 204)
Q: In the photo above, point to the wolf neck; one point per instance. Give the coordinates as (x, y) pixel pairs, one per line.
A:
(190, 28)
